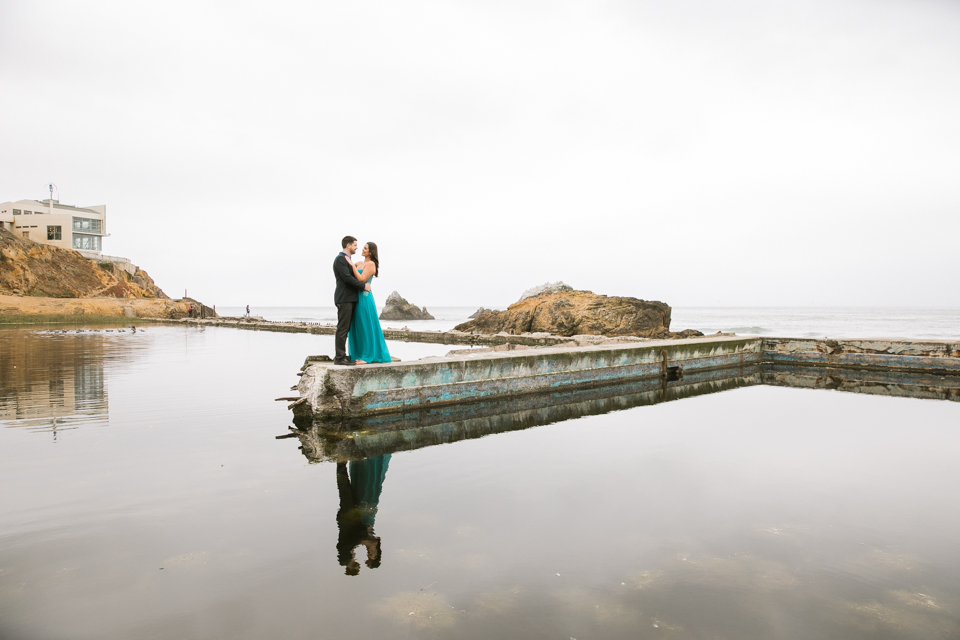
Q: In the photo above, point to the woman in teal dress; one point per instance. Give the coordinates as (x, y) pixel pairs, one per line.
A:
(365, 341)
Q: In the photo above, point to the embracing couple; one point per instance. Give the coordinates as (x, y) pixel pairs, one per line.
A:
(356, 311)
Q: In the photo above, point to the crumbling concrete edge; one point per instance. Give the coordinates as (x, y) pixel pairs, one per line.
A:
(334, 391)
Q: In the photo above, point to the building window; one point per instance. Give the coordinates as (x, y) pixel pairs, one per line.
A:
(53, 232)
(86, 243)
(27, 213)
(87, 224)
(16, 212)
(26, 234)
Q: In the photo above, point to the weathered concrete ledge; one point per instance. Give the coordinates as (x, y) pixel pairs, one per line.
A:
(435, 337)
(359, 438)
(329, 391)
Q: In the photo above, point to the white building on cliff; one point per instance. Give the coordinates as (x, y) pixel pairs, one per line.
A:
(62, 225)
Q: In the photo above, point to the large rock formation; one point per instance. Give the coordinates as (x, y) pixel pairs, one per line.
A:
(396, 308)
(569, 313)
(28, 268)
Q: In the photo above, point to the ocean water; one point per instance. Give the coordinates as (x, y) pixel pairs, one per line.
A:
(792, 322)
(153, 488)
(824, 322)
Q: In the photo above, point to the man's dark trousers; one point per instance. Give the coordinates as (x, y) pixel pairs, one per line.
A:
(344, 318)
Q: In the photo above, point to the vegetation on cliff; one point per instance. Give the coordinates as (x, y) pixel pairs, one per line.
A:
(28, 268)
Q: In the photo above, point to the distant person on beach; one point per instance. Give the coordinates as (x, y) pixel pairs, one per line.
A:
(366, 336)
(345, 297)
(248, 311)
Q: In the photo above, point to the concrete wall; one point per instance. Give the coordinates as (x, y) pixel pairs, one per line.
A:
(370, 389)
(355, 438)
(431, 337)
(376, 435)
(329, 391)
(123, 264)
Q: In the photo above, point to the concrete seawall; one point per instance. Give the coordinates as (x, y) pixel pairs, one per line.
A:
(404, 335)
(332, 392)
(358, 438)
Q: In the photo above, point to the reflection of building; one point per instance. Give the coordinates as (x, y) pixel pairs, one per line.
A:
(48, 383)
(62, 225)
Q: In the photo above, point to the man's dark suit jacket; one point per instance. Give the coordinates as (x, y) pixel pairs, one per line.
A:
(347, 283)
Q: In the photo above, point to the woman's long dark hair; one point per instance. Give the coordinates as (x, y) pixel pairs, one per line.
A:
(372, 246)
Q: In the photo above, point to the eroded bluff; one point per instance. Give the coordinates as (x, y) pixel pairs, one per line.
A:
(28, 268)
(571, 313)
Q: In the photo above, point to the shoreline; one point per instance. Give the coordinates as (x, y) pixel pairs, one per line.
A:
(330, 391)
(20, 321)
(19, 310)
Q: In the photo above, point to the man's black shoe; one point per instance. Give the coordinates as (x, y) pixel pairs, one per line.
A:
(350, 363)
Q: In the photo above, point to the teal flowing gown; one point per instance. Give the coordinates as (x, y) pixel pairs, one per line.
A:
(365, 340)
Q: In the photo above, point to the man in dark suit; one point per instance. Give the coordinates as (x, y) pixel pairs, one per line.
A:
(345, 297)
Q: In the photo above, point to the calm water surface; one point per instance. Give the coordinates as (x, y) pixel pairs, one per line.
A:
(146, 496)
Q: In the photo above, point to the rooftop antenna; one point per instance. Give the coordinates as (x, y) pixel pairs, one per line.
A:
(50, 187)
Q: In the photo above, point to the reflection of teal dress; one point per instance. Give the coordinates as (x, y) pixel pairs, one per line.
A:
(366, 337)
(366, 480)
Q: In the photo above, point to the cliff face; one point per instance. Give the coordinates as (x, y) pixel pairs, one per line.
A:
(28, 268)
(569, 313)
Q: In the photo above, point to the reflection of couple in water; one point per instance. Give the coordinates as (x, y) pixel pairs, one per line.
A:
(359, 497)
(356, 310)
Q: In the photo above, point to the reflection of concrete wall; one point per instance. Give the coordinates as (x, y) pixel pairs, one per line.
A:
(354, 438)
(49, 377)
(459, 378)
(394, 387)
(879, 383)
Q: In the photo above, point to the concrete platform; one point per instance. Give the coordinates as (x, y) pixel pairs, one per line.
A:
(327, 391)
(357, 438)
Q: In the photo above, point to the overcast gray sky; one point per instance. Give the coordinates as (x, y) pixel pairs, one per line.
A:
(694, 152)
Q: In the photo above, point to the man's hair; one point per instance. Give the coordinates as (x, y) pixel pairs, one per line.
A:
(347, 240)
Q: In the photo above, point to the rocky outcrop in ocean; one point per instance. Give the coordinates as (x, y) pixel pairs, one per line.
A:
(479, 311)
(570, 313)
(396, 308)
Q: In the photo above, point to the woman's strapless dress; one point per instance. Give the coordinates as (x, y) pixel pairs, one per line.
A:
(365, 340)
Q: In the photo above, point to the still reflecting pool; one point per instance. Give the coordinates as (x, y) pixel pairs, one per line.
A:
(163, 505)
